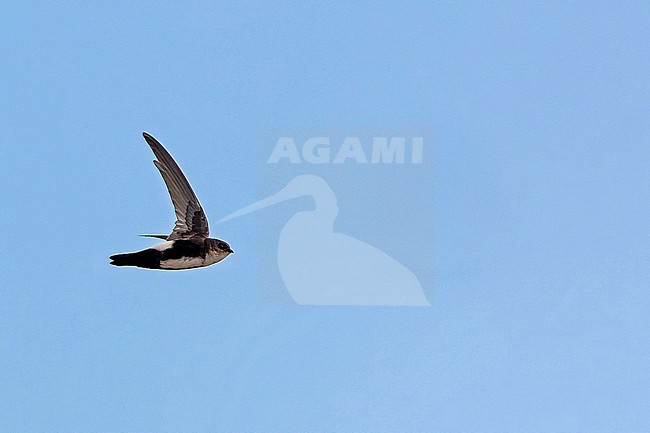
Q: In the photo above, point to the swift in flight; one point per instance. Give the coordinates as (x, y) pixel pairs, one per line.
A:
(188, 246)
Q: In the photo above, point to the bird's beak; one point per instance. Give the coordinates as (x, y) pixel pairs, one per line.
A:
(231, 251)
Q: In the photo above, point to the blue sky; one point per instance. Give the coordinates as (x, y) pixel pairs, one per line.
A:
(539, 316)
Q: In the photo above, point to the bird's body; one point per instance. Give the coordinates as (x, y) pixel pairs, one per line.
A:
(188, 246)
(178, 254)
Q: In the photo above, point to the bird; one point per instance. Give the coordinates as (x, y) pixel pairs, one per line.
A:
(188, 245)
(320, 266)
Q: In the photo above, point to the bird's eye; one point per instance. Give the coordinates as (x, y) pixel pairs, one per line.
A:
(222, 246)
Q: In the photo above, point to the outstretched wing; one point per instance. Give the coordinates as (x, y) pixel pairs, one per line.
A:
(190, 218)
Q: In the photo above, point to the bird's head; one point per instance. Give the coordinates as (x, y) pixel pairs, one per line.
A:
(220, 247)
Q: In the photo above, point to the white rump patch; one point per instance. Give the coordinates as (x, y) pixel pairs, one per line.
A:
(163, 246)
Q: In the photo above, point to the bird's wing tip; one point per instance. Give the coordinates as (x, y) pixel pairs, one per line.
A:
(149, 138)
